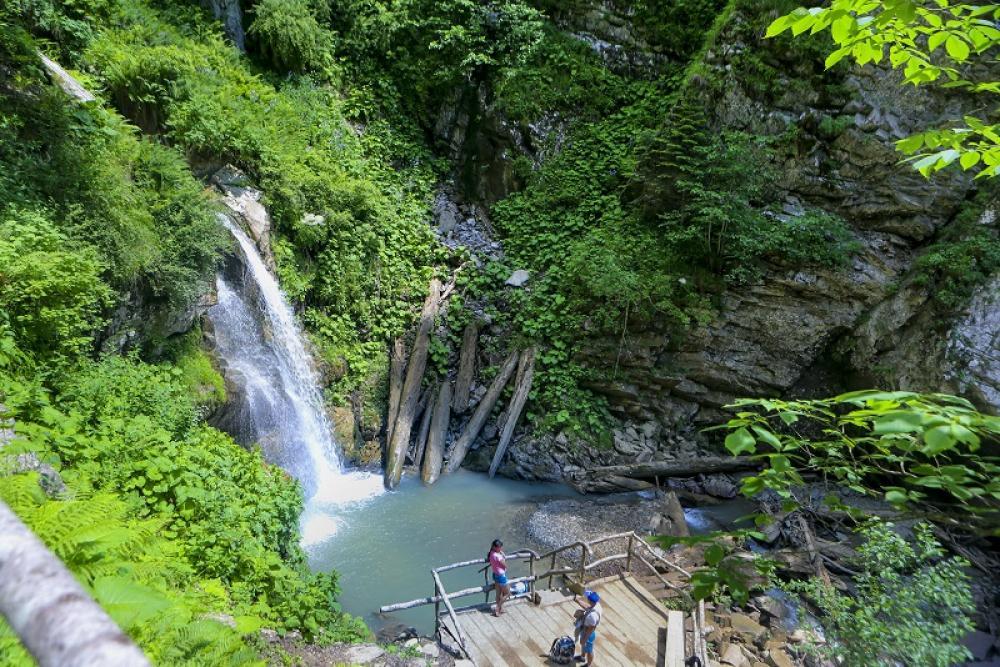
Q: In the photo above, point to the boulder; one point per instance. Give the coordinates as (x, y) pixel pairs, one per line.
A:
(745, 625)
(518, 278)
(732, 654)
(362, 654)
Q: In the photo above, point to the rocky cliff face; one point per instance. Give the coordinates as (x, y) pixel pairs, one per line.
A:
(799, 331)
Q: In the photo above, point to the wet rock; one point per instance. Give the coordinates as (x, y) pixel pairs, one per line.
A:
(229, 12)
(244, 202)
(720, 486)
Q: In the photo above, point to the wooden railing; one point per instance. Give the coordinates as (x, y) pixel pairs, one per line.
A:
(636, 549)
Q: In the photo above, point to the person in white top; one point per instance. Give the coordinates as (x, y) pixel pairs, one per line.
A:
(590, 618)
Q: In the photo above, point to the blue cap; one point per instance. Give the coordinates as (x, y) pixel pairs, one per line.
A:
(592, 596)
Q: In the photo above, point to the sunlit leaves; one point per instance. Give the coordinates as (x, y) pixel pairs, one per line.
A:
(908, 33)
(903, 446)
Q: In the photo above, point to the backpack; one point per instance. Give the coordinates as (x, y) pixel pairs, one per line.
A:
(561, 652)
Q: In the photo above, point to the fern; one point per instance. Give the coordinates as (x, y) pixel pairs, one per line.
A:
(139, 577)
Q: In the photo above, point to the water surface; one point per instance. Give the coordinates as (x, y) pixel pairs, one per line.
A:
(384, 547)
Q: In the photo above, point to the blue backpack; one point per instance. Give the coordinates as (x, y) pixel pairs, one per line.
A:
(561, 652)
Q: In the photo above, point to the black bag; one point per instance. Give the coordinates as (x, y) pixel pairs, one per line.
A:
(561, 652)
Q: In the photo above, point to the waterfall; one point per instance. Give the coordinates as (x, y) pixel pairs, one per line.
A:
(281, 408)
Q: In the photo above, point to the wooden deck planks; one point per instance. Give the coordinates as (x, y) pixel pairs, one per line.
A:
(629, 633)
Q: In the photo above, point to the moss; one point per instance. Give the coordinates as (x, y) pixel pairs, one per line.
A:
(196, 372)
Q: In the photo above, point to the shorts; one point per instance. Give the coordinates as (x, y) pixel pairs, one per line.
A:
(589, 646)
(500, 578)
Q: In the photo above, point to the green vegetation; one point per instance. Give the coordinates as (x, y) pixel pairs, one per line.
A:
(964, 257)
(907, 34)
(926, 452)
(912, 604)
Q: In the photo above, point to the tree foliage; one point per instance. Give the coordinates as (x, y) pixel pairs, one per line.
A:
(929, 42)
(927, 452)
(911, 604)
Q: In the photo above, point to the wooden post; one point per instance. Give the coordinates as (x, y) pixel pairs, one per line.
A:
(400, 439)
(437, 609)
(525, 371)
(475, 425)
(438, 434)
(583, 565)
(628, 558)
(552, 567)
(531, 573)
(466, 368)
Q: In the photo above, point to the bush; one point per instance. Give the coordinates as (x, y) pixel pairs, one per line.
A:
(912, 605)
(289, 38)
(51, 293)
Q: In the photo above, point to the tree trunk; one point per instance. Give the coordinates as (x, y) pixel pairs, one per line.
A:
(475, 425)
(525, 371)
(400, 440)
(437, 435)
(425, 425)
(677, 468)
(397, 364)
(57, 621)
(466, 368)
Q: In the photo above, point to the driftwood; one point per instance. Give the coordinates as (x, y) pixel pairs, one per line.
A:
(400, 439)
(441, 415)
(425, 425)
(466, 367)
(475, 425)
(609, 479)
(397, 365)
(525, 372)
(677, 468)
(56, 620)
(65, 80)
(815, 559)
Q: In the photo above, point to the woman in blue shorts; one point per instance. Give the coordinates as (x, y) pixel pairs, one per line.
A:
(498, 564)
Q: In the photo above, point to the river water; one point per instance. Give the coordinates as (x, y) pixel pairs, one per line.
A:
(382, 544)
(385, 547)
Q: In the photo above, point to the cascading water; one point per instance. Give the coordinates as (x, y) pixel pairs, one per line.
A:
(261, 345)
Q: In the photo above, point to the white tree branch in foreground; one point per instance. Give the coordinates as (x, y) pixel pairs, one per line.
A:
(55, 618)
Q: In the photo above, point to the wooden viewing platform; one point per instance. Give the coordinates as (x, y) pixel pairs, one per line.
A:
(636, 627)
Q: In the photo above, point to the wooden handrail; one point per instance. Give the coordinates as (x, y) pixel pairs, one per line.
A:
(585, 565)
(439, 589)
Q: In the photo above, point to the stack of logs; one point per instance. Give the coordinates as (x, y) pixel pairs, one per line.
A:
(433, 405)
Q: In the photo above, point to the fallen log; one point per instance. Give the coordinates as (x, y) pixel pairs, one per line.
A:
(475, 425)
(423, 408)
(397, 364)
(410, 393)
(466, 368)
(425, 425)
(525, 372)
(441, 415)
(815, 559)
(676, 468)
